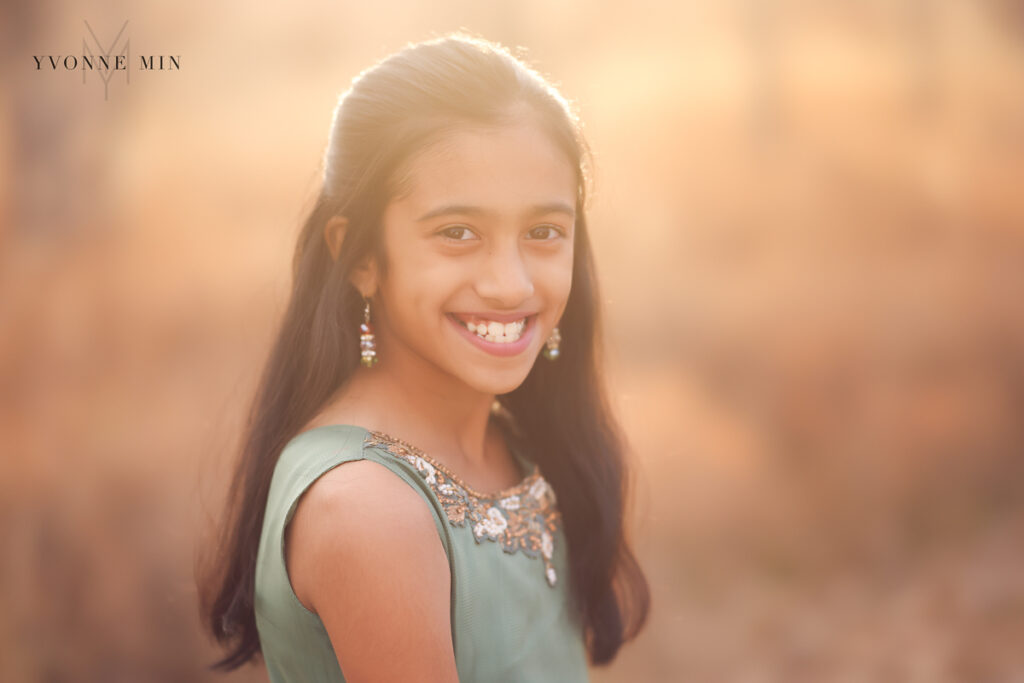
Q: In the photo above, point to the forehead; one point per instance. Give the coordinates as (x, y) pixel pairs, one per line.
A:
(501, 168)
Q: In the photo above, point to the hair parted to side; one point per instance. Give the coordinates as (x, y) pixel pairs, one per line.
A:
(394, 110)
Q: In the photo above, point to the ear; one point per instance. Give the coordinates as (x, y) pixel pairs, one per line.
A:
(364, 277)
(334, 234)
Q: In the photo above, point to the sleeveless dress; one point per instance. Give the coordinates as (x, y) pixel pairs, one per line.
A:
(507, 553)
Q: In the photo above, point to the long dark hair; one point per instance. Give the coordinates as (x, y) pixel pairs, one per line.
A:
(390, 112)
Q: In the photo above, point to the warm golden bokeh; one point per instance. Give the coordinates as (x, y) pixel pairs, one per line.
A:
(809, 225)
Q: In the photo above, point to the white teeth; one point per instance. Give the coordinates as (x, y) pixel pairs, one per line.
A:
(501, 333)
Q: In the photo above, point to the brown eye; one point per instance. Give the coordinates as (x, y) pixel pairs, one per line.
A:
(547, 232)
(458, 233)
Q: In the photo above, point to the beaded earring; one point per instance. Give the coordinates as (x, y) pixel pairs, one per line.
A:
(367, 345)
(551, 345)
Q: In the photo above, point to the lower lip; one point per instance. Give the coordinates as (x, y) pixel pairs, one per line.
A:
(496, 348)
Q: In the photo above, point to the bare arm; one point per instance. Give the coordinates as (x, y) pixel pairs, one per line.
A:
(363, 554)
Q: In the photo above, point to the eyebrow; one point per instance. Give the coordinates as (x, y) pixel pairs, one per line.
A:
(467, 209)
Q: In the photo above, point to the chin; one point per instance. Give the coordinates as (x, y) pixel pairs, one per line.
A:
(497, 382)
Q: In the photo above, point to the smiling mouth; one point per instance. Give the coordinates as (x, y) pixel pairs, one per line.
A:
(493, 330)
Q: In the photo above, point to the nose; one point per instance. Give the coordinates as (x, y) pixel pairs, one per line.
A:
(504, 280)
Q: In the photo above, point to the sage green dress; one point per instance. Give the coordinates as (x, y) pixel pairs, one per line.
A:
(507, 553)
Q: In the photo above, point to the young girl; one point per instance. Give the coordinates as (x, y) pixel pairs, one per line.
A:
(441, 342)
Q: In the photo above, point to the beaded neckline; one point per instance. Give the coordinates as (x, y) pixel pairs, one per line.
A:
(523, 517)
(531, 474)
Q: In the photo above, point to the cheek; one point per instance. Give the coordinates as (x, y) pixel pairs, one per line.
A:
(416, 293)
(552, 280)
(560, 277)
(408, 276)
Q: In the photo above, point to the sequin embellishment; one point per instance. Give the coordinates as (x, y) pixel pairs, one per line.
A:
(523, 517)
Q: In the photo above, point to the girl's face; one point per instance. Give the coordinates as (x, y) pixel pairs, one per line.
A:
(480, 256)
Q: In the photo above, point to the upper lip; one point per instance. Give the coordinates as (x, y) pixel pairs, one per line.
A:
(496, 317)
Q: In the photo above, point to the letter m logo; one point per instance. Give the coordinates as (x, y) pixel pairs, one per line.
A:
(105, 58)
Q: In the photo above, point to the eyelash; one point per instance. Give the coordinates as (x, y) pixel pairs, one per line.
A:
(444, 233)
(558, 231)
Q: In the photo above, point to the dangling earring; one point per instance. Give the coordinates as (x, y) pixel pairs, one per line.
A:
(551, 345)
(367, 346)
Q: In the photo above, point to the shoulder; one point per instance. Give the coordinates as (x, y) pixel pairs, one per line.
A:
(332, 495)
(327, 444)
(363, 554)
(362, 517)
(359, 496)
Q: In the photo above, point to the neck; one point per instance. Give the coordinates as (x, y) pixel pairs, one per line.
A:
(417, 402)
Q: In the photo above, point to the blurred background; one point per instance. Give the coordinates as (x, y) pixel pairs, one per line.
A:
(809, 226)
